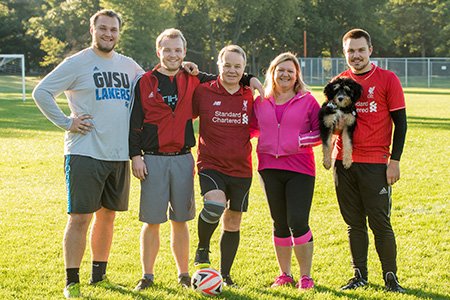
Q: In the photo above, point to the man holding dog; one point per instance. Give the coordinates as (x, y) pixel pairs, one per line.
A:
(364, 189)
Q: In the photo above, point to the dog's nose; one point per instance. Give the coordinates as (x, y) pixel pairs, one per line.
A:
(340, 98)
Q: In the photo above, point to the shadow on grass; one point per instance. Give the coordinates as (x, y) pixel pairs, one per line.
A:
(416, 292)
(427, 92)
(18, 115)
(429, 122)
(173, 293)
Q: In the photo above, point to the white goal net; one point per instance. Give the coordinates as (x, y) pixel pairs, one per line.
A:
(12, 76)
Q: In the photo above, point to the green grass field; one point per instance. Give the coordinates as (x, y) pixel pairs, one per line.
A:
(33, 205)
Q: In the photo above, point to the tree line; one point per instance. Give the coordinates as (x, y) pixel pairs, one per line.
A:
(46, 31)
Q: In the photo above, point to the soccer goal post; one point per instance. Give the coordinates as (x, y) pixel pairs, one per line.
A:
(12, 74)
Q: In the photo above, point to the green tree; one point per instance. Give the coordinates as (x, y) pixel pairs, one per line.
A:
(14, 17)
(413, 25)
(144, 20)
(327, 20)
(256, 26)
(442, 17)
(64, 29)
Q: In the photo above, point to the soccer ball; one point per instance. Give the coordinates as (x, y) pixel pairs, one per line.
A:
(207, 281)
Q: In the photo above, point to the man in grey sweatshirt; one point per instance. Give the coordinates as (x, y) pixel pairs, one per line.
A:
(97, 83)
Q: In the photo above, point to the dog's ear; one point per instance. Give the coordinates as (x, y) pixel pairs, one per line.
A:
(357, 90)
(329, 90)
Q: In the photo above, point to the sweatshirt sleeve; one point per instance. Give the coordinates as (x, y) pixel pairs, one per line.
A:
(45, 93)
(253, 124)
(136, 121)
(312, 137)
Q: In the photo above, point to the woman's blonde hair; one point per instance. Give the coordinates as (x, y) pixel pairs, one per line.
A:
(269, 83)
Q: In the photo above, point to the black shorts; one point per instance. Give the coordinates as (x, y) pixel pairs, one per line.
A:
(236, 189)
(92, 184)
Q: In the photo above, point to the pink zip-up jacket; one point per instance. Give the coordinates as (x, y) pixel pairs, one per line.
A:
(297, 132)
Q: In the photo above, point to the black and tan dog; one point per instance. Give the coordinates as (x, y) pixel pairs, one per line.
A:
(342, 94)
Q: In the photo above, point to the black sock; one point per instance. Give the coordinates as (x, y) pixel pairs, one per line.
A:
(229, 244)
(72, 275)
(205, 232)
(98, 270)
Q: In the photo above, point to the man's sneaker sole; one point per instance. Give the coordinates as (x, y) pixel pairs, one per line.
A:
(202, 265)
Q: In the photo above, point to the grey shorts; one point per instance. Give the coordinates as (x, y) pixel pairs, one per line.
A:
(92, 184)
(169, 186)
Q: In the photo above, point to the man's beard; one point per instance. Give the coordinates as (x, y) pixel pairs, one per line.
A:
(104, 49)
(361, 67)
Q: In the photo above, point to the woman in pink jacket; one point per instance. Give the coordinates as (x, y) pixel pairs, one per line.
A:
(288, 127)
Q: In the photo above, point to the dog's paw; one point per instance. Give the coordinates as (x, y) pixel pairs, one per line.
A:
(327, 164)
(347, 163)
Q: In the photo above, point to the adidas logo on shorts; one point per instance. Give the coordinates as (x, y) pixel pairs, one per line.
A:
(383, 191)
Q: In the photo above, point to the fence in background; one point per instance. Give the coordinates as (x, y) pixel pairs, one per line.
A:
(412, 71)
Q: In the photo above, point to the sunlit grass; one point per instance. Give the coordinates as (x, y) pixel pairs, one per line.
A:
(33, 205)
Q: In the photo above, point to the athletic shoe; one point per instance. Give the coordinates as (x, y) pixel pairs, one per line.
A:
(102, 282)
(305, 283)
(392, 284)
(185, 281)
(354, 282)
(227, 281)
(202, 258)
(72, 290)
(143, 284)
(283, 279)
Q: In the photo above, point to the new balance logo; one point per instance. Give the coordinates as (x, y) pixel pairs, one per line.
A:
(383, 191)
(217, 103)
(373, 106)
(151, 95)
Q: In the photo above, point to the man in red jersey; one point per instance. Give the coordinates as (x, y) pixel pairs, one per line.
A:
(224, 157)
(364, 190)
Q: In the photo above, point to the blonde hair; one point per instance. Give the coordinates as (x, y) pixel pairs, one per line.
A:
(170, 33)
(231, 48)
(269, 83)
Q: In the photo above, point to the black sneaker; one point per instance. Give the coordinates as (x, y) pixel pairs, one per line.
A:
(202, 258)
(354, 283)
(227, 281)
(392, 284)
(143, 284)
(185, 281)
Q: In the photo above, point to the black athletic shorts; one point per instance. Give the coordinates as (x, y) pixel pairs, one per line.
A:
(236, 189)
(92, 184)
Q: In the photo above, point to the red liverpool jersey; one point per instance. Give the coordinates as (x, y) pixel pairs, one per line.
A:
(382, 93)
(224, 141)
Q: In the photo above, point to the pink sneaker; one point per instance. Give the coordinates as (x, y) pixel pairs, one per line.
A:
(283, 279)
(305, 283)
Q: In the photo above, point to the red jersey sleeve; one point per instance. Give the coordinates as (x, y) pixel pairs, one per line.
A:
(395, 98)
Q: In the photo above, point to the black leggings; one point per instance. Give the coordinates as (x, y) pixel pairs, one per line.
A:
(290, 196)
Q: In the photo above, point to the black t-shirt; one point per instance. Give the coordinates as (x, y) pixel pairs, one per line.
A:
(167, 87)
